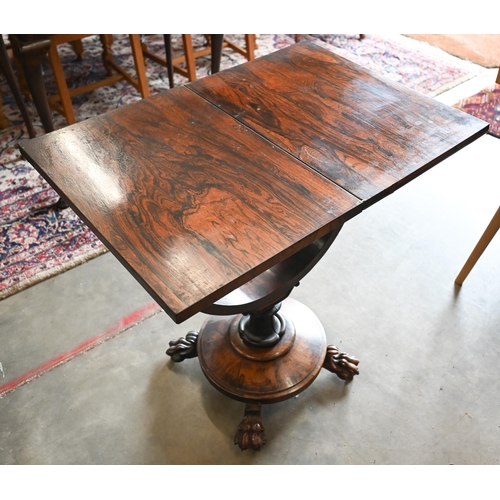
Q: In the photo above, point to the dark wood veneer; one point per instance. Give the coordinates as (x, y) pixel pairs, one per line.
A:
(193, 203)
(367, 134)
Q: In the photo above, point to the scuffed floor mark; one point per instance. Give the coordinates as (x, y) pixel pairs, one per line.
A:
(123, 325)
(1, 370)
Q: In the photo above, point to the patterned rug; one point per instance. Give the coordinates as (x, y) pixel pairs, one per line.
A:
(484, 105)
(38, 241)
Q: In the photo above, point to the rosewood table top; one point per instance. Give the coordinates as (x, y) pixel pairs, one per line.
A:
(201, 188)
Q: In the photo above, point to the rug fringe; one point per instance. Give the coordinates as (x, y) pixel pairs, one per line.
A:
(50, 273)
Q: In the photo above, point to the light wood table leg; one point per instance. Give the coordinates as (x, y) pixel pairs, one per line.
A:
(483, 242)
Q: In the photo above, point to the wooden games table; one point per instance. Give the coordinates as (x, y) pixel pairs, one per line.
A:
(220, 196)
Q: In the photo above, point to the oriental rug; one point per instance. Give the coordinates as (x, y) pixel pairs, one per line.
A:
(38, 241)
(486, 106)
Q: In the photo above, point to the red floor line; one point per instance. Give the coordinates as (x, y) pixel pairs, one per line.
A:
(122, 325)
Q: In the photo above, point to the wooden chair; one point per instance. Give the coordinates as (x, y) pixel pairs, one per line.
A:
(6, 69)
(61, 102)
(483, 242)
(248, 51)
(190, 55)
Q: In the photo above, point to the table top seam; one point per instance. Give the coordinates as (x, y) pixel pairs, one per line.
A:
(310, 167)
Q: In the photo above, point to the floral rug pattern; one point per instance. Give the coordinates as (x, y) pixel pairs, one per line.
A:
(38, 241)
(486, 106)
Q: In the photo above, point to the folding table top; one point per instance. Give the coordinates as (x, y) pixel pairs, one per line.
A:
(201, 188)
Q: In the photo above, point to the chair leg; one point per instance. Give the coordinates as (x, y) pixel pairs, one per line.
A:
(189, 54)
(29, 55)
(62, 86)
(216, 42)
(78, 48)
(169, 59)
(250, 46)
(140, 66)
(107, 54)
(483, 242)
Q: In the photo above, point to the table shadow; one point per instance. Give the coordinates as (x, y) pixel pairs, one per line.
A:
(191, 422)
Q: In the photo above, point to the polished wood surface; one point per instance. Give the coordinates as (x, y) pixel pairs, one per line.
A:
(192, 202)
(367, 134)
(195, 203)
(256, 374)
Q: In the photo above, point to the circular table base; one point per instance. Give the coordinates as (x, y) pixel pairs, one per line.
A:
(263, 375)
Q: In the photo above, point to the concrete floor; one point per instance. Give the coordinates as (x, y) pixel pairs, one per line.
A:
(429, 351)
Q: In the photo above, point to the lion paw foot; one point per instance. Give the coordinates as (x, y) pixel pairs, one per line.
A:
(251, 433)
(340, 363)
(183, 348)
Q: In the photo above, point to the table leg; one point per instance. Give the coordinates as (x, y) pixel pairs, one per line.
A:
(263, 357)
(259, 346)
(251, 432)
(184, 348)
(340, 363)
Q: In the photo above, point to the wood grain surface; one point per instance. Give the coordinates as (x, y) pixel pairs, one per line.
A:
(193, 203)
(274, 284)
(258, 374)
(367, 134)
(200, 189)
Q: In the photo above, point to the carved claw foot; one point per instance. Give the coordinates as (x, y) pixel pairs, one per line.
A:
(183, 348)
(251, 432)
(340, 363)
(61, 204)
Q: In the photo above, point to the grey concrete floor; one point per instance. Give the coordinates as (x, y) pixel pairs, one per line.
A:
(429, 383)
